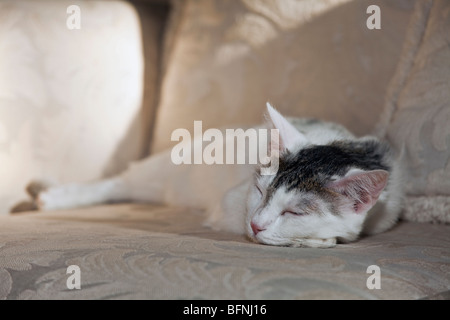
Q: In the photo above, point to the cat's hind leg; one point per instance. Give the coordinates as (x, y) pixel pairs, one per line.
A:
(81, 194)
(67, 196)
(143, 181)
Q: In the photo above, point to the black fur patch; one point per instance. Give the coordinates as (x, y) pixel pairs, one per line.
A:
(310, 168)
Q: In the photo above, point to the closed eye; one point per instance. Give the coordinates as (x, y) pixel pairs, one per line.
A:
(296, 213)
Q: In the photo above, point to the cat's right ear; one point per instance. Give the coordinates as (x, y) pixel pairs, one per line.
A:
(289, 137)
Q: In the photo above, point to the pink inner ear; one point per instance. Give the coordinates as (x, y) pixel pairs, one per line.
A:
(363, 188)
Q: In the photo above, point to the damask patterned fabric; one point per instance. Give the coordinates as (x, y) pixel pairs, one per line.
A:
(70, 99)
(417, 116)
(332, 67)
(309, 58)
(132, 251)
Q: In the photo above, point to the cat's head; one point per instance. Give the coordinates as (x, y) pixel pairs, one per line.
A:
(317, 195)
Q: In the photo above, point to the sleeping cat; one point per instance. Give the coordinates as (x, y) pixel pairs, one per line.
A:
(329, 187)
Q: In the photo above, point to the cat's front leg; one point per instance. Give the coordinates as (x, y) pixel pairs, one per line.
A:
(315, 243)
(229, 215)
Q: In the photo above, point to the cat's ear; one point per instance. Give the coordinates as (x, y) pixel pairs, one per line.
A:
(360, 189)
(289, 136)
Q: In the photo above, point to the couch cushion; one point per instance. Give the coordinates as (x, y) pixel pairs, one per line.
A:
(309, 58)
(135, 251)
(417, 115)
(70, 100)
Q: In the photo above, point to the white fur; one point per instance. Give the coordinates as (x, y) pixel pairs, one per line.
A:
(229, 194)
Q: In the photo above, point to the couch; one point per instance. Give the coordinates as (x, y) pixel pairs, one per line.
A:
(87, 90)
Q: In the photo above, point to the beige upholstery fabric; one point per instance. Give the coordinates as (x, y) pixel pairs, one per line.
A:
(137, 251)
(132, 251)
(309, 58)
(70, 100)
(417, 115)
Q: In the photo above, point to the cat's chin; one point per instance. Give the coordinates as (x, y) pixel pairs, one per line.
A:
(315, 243)
(296, 243)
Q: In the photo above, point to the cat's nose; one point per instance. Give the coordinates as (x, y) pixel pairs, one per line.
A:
(256, 229)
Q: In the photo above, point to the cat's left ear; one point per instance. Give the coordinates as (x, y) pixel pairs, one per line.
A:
(289, 137)
(361, 190)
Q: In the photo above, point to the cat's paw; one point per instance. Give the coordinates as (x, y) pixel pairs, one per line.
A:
(66, 196)
(317, 243)
(34, 190)
(23, 206)
(37, 191)
(54, 198)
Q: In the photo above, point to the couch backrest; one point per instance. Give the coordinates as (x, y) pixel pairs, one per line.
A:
(309, 58)
(73, 102)
(416, 119)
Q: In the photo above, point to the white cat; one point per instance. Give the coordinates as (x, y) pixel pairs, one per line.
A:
(329, 187)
